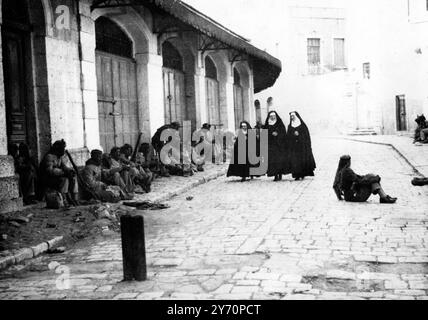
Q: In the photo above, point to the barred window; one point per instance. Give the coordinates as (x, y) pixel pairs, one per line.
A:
(314, 45)
(112, 39)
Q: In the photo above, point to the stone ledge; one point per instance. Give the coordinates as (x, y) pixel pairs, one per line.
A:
(7, 167)
(9, 188)
(28, 253)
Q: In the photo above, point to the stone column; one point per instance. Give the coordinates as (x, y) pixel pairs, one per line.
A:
(230, 107)
(150, 93)
(200, 92)
(89, 83)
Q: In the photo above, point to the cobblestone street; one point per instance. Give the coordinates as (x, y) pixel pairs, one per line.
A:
(260, 240)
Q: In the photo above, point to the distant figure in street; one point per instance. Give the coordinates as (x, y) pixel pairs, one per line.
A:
(300, 156)
(56, 176)
(421, 132)
(277, 155)
(237, 169)
(92, 178)
(355, 188)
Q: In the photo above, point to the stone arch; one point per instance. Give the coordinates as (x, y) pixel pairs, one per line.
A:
(189, 70)
(220, 60)
(132, 23)
(248, 91)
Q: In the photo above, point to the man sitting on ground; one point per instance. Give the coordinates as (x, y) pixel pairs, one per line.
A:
(158, 144)
(421, 132)
(139, 175)
(117, 174)
(56, 176)
(92, 178)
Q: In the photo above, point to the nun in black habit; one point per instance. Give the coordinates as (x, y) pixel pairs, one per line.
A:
(301, 158)
(235, 168)
(277, 156)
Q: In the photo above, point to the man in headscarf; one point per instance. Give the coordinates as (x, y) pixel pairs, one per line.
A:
(92, 178)
(138, 174)
(57, 176)
(158, 144)
(301, 158)
(117, 174)
(277, 159)
(237, 169)
(355, 188)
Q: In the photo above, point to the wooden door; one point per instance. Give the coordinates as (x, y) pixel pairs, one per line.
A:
(117, 100)
(239, 105)
(15, 85)
(401, 113)
(212, 98)
(174, 96)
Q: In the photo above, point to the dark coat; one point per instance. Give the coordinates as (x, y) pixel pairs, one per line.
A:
(356, 188)
(300, 156)
(277, 161)
(236, 169)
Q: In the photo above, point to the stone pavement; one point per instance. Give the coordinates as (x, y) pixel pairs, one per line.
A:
(260, 240)
(416, 154)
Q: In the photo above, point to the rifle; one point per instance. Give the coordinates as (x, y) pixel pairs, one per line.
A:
(137, 145)
(79, 178)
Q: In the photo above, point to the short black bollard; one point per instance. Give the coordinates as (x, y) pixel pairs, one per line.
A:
(133, 248)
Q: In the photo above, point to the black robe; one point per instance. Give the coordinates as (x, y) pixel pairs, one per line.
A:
(277, 161)
(236, 169)
(300, 156)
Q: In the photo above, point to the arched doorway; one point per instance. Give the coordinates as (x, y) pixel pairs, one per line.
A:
(117, 85)
(17, 70)
(238, 98)
(173, 84)
(212, 92)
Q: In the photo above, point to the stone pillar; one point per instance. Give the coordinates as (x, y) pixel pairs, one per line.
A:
(3, 132)
(150, 93)
(252, 117)
(230, 107)
(89, 83)
(200, 92)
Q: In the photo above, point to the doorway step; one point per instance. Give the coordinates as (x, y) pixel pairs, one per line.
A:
(362, 132)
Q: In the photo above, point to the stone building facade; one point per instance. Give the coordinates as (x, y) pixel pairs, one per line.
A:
(97, 73)
(388, 63)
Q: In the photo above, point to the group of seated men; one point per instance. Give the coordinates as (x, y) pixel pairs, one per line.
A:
(106, 177)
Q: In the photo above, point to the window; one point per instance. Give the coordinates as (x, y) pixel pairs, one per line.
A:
(366, 70)
(314, 51)
(339, 52)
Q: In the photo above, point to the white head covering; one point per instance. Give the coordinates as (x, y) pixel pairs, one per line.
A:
(296, 122)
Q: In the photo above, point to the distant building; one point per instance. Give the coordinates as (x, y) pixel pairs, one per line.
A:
(315, 54)
(388, 61)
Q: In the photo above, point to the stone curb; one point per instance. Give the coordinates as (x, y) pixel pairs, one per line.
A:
(387, 145)
(29, 253)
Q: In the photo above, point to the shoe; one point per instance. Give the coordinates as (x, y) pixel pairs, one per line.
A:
(276, 179)
(388, 200)
(243, 179)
